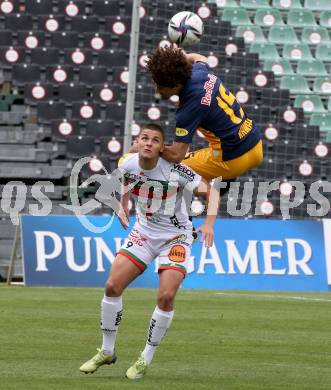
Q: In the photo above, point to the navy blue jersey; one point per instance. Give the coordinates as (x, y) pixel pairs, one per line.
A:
(206, 104)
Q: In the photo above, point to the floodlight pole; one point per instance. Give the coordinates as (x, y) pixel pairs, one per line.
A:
(133, 61)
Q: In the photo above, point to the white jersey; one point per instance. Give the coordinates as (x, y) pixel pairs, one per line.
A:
(161, 202)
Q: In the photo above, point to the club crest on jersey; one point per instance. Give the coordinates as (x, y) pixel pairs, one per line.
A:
(208, 87)
(177, 254)
(177, 239)
(181, 132)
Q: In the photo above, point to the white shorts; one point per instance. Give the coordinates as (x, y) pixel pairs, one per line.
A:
(174, 250)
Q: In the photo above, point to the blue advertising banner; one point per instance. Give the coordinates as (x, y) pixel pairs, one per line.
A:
(247, 254)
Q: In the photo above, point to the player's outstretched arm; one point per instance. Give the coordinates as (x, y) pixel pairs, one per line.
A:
(213, 199)
(124, 212)
(176, 152)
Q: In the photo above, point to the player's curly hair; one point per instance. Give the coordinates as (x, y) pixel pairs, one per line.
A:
(169, 67)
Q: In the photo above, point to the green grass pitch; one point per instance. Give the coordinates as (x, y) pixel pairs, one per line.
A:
(217, 341)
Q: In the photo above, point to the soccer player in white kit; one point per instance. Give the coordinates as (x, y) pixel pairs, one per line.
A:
(162, 229)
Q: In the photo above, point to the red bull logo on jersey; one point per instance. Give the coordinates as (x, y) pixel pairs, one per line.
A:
(208, 87)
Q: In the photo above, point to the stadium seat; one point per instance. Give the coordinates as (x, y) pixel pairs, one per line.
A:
(62, 128)
(250, 34)
(296, 51)
(309, 103)
(237, 17)
(311, 68)
(315, 35)
(318, 5)
(115, 112)
(282, 34)
(6, 38)
(30, 39)
(254, 4)
(45, 56)
(301, 18)
(72, 92)
(38, 92)
(123, 42)
(9, 56)
(51, 23)
(60, 74)
(273, 97)
(25, 73)
(266, 51)
(323, 121)
(85, 110)
(100, 128)
(325, 19)
(37, 7)
(280, 67)
(268, 17)
(105, 150)
(120, 76)
(80, 146)
(97, 41)
(226, 3)
(10, 6)
(78, 56)
(323, 52)
(106, 8)
(105, 93)
(286, 4)
(112, 58)
(51, 110)
(248, 61)
(80, 10)
(84, 24)
(118, 25)
(92, 74)
(295, 84)
(19, 22)
(65, 40)
(322, 85)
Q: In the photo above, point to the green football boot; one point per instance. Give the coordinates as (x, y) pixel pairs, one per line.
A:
(98, 360)
(138, 370)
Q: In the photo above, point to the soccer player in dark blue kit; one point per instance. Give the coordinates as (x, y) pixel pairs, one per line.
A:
(235, 144)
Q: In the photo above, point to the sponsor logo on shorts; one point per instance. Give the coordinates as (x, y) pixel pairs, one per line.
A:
(177, 254)
(136, 238)
(180, 132)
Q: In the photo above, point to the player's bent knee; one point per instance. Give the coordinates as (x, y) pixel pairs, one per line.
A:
(112, 289)
(166, 299)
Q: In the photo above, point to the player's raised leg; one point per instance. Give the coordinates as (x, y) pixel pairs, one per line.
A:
(122, 273)
(170, 280)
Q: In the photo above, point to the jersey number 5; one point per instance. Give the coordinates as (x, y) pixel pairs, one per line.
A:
(225, 101)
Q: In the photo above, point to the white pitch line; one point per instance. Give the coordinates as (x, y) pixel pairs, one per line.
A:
(274, 296)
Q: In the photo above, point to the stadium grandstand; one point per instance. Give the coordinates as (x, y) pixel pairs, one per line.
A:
(64, 72)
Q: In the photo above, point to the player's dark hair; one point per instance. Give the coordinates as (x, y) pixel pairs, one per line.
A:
(153, 126)
(169, 67)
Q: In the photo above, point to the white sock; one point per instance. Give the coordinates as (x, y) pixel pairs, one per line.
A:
(111, 315)
(158, 326)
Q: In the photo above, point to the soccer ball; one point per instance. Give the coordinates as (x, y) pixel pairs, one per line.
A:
(185, 29)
